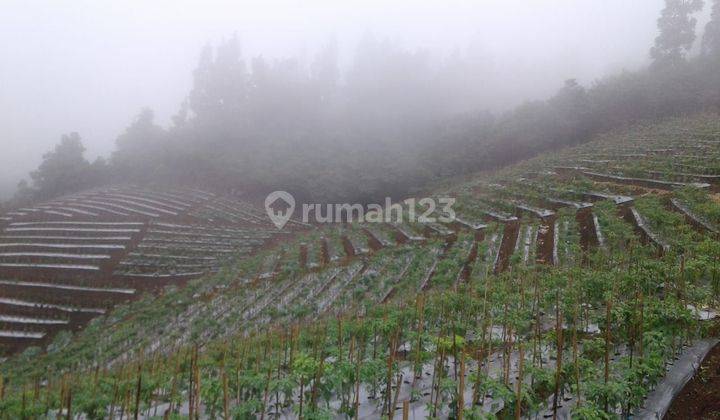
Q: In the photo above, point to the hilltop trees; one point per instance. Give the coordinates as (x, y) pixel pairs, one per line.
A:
(710, 64)
(139, 151)
(572, 108)
(383, 127)
(220, 88)
(711, 38)
(390, 121)
(24, 195)
(63, 170)
(325, 73)
(375, 132)
(677, 32)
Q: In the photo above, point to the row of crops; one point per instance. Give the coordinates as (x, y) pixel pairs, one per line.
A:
(68, 260)
(562, 290)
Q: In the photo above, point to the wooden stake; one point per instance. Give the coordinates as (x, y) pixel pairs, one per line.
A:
(461, 390)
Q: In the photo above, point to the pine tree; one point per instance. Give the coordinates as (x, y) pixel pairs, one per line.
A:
(219, 91)
(677, 32)
(711, 38)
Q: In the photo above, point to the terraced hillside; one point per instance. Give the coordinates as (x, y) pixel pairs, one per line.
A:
(64, 262)
(567, 285)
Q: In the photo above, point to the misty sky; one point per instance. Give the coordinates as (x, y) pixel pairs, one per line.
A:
(90, 66)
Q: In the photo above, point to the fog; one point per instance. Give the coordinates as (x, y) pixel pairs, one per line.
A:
(90, 66)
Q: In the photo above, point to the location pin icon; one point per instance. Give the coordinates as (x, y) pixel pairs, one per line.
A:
(279, 206)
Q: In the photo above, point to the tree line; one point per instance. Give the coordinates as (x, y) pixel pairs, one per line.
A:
(387, 126)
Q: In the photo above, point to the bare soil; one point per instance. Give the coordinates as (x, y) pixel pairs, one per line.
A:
(700, 399)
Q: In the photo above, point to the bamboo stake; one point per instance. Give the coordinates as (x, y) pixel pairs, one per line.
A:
(461, 390)
(137, 391)
(558, 364)
(69, 415)
(575, 353)
(641, 327)
(608, 315)
(518, 397)
(191, 394)
(226, 398)
(417, 368)
(360, 356)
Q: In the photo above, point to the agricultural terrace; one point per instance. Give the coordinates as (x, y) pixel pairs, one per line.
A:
(568, 285)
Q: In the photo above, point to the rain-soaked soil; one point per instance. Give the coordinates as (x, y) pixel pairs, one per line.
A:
(700, 399)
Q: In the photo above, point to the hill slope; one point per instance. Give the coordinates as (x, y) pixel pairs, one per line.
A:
(65, 261)
(600, 257)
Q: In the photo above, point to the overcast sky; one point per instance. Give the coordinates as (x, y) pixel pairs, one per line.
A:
(90, 65)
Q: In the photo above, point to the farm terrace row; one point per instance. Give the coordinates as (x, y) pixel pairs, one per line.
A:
(624, 196)
(67, 271)
(68, 260)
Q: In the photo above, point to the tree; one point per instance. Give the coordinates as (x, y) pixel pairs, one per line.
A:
(677, 32)
(24, 194)
(325, 72)
(63, 170)
(99, 171)
(711, 38)
(139, 149)
(571, 107)
(219, 93)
